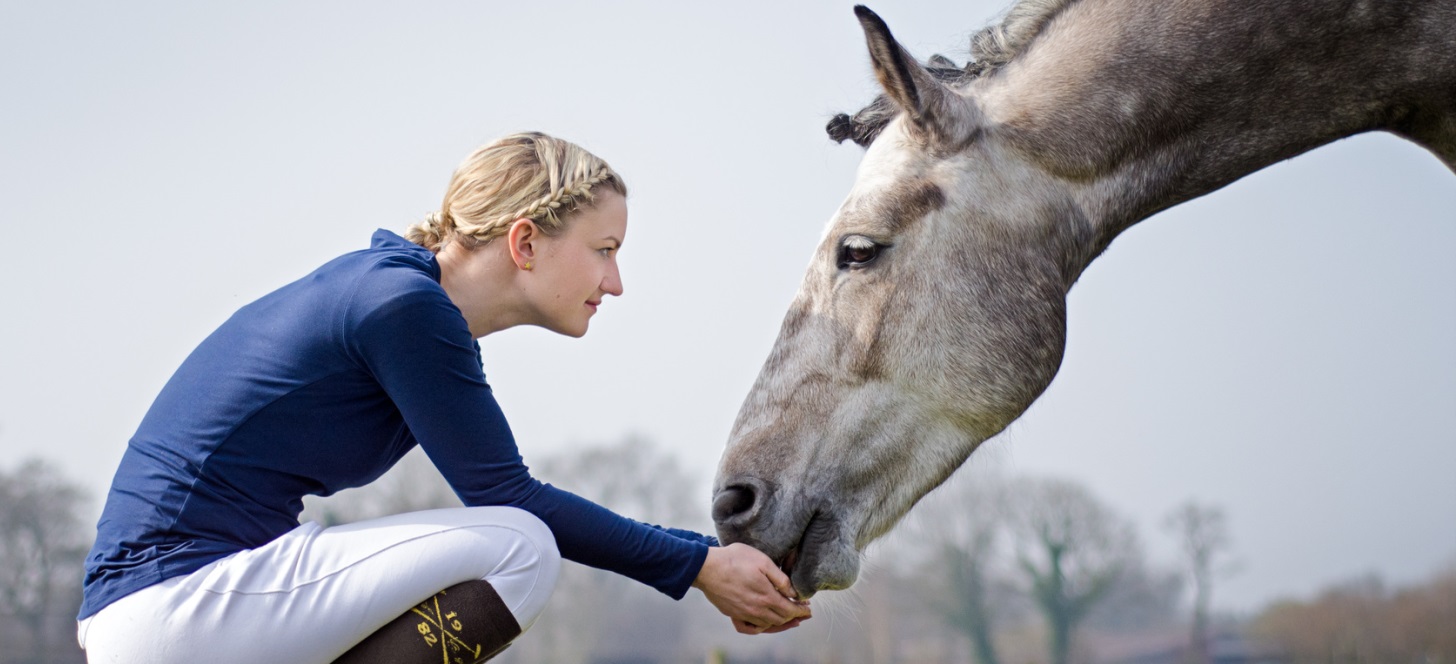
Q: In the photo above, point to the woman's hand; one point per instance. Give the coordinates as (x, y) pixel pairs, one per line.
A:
(750, 589)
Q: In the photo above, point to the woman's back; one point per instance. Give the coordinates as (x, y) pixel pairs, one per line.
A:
(281, 401)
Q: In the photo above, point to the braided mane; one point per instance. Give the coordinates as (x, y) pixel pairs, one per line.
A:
(991, 49)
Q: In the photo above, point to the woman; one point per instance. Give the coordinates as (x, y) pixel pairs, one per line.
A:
(323, 385)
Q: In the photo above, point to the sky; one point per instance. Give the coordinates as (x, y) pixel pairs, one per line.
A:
(1282, 348)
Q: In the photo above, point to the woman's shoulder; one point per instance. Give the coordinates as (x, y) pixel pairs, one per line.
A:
(395, 279)
(393, 268)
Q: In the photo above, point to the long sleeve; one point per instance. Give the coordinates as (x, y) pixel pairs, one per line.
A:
(417, 345)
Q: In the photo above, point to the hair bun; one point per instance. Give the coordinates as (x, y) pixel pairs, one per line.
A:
(429, 233)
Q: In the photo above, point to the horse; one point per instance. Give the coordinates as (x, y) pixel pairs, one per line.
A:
(933, 312)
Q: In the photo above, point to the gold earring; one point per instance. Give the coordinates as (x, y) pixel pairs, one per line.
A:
(528, 265)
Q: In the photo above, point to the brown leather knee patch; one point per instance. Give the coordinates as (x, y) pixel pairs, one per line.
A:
(463, 624)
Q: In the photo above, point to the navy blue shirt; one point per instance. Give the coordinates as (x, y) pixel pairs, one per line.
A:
(320, 386)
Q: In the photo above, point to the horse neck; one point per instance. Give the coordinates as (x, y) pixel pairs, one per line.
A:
(1140, 105)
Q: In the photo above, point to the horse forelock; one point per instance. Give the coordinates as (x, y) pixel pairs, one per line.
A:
(991, 49)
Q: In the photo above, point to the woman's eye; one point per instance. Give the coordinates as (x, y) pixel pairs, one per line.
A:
(857, 251)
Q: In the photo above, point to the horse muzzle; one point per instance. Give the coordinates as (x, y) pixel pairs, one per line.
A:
(807, 541)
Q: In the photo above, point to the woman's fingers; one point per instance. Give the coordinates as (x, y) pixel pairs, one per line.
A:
(786, 609)
(747, 627)
(779, 580)
(750, 628)
(784, 627)
(782, 601)
(746, 586)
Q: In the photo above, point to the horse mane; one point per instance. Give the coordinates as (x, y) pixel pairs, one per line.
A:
(991, 48)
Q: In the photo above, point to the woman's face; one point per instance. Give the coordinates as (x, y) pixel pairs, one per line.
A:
(577, 268)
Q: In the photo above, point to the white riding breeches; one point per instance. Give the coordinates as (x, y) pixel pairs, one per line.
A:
(311, 594)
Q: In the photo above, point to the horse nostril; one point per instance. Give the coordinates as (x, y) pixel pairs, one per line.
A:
(732, 501)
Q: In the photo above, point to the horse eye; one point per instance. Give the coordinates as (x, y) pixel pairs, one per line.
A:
(857, 251)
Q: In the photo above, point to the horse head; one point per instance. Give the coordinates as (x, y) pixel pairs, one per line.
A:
(931, 316)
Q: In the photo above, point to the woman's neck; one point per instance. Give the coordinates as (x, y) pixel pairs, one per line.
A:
(482, 283)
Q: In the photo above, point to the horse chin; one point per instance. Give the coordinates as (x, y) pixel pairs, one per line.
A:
(823, 560)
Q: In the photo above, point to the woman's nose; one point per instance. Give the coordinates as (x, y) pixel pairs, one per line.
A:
(612, 284)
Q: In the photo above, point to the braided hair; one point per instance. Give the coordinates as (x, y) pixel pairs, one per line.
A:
(522, 176)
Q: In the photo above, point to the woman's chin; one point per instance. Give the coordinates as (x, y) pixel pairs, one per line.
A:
(573, 329)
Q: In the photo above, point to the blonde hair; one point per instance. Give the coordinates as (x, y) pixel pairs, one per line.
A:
(522, 176)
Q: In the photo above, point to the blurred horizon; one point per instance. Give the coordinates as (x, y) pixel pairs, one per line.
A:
(917, 599)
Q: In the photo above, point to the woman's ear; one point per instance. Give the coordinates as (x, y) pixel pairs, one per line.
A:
(520, 239)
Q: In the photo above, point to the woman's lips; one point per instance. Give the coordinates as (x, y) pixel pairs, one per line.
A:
(593, 305)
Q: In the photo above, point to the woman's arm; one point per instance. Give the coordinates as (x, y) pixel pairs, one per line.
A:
(418, 347)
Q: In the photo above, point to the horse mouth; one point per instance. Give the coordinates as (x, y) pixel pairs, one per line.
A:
(787, 564)
(801, 562)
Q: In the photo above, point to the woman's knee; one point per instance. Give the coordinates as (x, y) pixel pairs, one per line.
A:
(533, 542)
(526, 575)
(527, 524)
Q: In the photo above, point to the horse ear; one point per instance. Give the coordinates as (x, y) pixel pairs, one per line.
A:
(934, 108)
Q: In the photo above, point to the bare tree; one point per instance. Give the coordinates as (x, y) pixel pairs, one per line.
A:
(961, 530)
(990, 554)
(1364, 621)
(1144, 597)
(42, 546)
(969, 611)
(1202, 530)
(1072, 549)
(632, 477)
